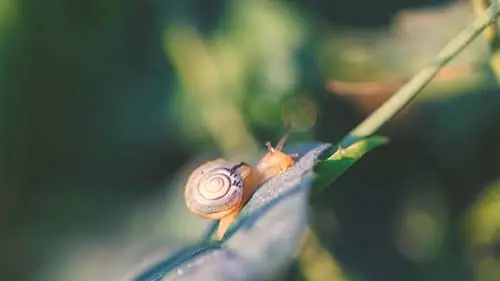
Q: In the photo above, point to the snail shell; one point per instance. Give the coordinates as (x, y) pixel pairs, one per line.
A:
(219, 189)
(215, 189)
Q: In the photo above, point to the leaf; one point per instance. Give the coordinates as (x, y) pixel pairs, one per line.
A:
(266, 235)
(342, 159)
(262, 239)
(174, 261)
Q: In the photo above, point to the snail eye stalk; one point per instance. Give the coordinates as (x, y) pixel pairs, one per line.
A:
(281, 142)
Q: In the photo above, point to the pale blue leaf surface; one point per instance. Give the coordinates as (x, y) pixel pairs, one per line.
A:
(263, 240)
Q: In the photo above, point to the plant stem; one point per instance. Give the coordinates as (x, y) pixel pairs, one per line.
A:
(410, 90)
(492, 36)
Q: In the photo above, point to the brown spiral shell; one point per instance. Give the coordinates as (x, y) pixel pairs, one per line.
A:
(214, 189)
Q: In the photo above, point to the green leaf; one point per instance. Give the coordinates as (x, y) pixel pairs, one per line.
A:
(158, 269)
(342, 159)
(264, 238)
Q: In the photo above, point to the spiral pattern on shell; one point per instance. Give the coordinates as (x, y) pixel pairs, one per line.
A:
(214, 189)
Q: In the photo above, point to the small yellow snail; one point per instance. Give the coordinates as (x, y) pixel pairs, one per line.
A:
(219, 189)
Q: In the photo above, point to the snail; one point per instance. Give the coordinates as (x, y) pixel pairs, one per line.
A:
(219, 189)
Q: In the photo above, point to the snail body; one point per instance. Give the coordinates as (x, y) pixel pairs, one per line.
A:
(219, 189)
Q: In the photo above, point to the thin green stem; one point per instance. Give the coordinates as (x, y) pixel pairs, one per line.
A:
(492, 36)
(410, 90)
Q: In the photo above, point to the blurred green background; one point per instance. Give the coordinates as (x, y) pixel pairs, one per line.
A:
(106, 106)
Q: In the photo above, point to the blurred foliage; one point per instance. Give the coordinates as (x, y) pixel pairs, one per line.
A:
(104, 104)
